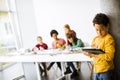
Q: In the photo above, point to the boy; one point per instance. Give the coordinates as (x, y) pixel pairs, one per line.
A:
(103, 63)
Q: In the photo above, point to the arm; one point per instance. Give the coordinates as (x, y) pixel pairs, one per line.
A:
(90, 54)
(45, 46)
(79, 44)
(108, 47)
(109, 50)
(37, 46)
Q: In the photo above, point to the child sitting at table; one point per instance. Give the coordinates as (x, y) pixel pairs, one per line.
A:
(75, 43)
(68, 30)
(57, 43)
(40, 46)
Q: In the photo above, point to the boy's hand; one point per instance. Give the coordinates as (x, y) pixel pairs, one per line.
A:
(90, 54)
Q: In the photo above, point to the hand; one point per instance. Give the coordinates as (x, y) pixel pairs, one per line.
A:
(59, 45)
(90, 54)
(41, 48)
(86, 53)
(35, 48)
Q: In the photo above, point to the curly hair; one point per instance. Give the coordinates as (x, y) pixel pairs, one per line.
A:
(53, 32)
(101, 18)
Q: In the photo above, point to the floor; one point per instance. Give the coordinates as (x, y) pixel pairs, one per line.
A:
(55, 74)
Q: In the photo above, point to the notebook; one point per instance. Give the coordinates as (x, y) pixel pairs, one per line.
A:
(93, 50)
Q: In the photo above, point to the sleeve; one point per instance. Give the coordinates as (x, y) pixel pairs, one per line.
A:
(79, 44)
(38, 46)
(45, 46)
(64, 42)
(109, 50)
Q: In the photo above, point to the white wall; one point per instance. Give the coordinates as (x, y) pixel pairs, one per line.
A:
(27, 24)
(53, 14)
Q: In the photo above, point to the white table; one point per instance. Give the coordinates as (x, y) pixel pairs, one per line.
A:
(52, 55)
(45, 56)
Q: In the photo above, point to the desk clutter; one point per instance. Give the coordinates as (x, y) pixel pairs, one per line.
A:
(46, 52)
(52, 52)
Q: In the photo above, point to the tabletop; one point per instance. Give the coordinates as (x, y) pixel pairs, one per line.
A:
(51, 55)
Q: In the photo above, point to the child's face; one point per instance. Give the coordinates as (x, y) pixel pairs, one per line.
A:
(101, 30)
(66, 30)
(70, 40)
(54, 36)
(39, 40)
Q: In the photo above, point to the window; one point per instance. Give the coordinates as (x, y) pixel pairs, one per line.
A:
(9, 31)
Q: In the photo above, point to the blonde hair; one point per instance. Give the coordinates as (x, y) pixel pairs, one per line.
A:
(39, 37)
(67, 26)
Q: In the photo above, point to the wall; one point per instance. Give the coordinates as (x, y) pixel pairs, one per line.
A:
(112, 8)
(53, 14)
(27, 24)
